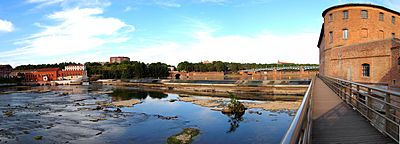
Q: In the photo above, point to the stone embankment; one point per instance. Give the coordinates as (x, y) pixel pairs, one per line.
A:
(221, 89)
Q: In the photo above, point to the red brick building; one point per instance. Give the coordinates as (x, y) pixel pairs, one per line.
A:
(119, 59)
(358, 42)
(46, 74)
(53, 74)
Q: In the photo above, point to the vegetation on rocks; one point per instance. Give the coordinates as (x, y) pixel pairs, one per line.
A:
(234, 106)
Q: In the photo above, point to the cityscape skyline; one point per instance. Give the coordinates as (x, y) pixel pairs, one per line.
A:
(171, 31)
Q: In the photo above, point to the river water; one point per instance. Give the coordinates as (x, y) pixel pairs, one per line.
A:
(71, 114)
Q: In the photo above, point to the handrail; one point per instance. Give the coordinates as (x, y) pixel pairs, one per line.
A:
(377, 105)
(300, 128)
(366, 86)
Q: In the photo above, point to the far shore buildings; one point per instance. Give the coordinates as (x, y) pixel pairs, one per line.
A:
(71, 72)
(359, 42)
(5, 71)
(119, 59)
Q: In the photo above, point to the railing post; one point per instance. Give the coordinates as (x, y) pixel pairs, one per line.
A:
(358, 97)
(369, 104)
(350, 94)
(387, 111)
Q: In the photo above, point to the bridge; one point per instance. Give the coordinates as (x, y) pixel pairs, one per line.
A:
(286, 68)
(340, 111)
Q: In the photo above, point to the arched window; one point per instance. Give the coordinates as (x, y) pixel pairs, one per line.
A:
(364, 14)
(365, 70)
(364, 33)
(381, 34)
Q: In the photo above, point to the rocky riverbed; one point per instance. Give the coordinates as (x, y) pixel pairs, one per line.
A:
(220, 103)
(106, 114)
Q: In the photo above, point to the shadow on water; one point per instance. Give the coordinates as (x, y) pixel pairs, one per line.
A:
(234, 120)
(126, 94)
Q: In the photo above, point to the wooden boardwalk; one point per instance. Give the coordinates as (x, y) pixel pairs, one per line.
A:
(336, 122)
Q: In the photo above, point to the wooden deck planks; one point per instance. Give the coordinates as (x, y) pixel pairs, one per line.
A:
(336, 122)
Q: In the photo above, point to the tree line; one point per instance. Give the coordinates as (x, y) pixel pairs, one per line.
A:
(127, 70)
(124, 70)
(229, 66)
(40, 66)
(137, 69)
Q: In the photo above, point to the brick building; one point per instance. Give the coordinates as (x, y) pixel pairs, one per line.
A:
(5, 71)
(54, 74)
(119, 59)
(358, 43)
(45, 74)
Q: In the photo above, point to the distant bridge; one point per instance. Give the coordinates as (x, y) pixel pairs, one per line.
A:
(340, 111)
(294, 68)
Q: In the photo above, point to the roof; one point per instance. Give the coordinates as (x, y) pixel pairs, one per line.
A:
(75, 65)
(48, 69)
(358, 4)
(321, 35)
(119, 57)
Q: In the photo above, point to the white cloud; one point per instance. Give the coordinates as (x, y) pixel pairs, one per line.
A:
(6, 26)
(78, 31)
(67, 4)
(167, 3)
(262, 48)
(127, 9)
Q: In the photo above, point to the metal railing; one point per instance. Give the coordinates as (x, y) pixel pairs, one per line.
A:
(379, 106)
(300, 129)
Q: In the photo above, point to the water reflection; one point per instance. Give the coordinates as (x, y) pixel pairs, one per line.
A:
(127, 94)
(234, 120)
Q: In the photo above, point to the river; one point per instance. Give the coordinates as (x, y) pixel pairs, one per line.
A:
(71, 114)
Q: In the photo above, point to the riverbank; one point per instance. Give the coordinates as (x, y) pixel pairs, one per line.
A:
(219, 89)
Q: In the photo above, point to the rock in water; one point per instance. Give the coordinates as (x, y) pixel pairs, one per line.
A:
(38, 137)
(8, 113)
(118, 110)
(184, 137)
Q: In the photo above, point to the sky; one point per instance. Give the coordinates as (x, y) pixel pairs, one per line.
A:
(169, 31)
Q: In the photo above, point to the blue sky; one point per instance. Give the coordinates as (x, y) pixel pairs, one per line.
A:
(170, 31)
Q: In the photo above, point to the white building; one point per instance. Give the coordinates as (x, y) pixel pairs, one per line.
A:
(75, 68)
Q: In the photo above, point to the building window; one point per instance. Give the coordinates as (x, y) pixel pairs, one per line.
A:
(345, 14)
(365, 70)
(330, 17)
(364, 33)
(393, 20)
(345, 34)
(381, 16)
(330, 37)
(364, 14)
